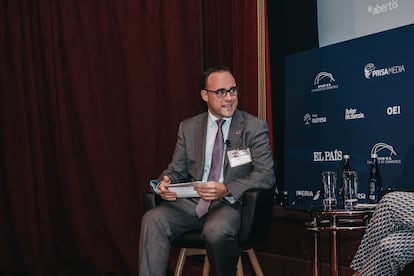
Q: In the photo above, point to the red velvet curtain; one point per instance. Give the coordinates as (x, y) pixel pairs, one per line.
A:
(231, 38)
(91, 94)
(232, 35)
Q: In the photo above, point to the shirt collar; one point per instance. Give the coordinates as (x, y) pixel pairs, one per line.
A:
(213, 119)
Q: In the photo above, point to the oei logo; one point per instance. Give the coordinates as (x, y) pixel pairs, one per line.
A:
(394, 110)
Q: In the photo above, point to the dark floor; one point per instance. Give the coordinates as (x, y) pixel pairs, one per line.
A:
(194, 265)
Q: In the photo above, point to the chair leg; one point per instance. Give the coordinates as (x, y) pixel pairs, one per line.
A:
(240, 267)
(184, 252)
(181, 261)
(255, 263)
(206, 266)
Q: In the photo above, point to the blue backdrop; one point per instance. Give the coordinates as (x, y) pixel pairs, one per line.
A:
(354, 97)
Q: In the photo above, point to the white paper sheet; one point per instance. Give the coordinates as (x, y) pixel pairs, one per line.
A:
(185, 190)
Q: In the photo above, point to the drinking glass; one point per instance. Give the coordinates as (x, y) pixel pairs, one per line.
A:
(350, 182)
(329, 187)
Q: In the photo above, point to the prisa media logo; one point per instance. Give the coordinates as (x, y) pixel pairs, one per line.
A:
(370, 71)
(324, 81)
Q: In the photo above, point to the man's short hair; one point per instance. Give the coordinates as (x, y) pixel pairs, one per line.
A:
(211, 70)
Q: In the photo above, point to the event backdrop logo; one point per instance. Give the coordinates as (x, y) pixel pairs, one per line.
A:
(324, 81)
(327, 155)
(353, 114)
(394, 110)
(383, 8)
(314, 119)
(385, 153)
(370, 71)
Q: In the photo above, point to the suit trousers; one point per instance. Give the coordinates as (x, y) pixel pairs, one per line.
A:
(161, 225)
(388, 242)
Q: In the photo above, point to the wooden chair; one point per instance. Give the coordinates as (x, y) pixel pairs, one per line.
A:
(254, 229)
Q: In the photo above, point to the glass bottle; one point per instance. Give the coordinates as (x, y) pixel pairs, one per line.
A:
(375, 181)
(346, 167)
(347, 163)
(285, 198)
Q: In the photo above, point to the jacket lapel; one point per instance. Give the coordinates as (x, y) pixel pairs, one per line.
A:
(235, 134)
(201, 144)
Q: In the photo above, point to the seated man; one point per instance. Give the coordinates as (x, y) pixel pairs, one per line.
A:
(202, 154)
(388, 243)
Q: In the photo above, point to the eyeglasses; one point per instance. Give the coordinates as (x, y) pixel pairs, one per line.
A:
(221, 93)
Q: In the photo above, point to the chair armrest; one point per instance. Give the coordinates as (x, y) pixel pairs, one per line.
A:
(151, 200)
(256, 215)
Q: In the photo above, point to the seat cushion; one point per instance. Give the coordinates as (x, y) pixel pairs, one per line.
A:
(189, 239)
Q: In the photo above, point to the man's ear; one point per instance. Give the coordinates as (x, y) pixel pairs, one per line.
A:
(204, 95)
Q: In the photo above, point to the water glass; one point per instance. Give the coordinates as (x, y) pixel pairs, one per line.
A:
(350, 183)
(329, 187)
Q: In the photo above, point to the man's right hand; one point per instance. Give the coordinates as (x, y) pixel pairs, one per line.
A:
(163, 190)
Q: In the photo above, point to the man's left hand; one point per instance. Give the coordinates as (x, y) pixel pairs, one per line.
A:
(213, 190)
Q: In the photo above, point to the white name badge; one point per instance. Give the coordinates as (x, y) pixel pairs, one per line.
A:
(239, 157)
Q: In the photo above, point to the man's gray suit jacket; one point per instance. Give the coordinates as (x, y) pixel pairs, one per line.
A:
(246, 131)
